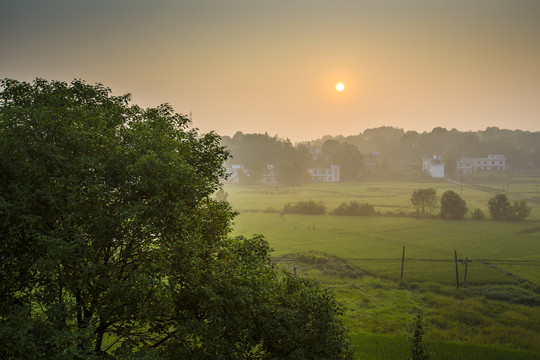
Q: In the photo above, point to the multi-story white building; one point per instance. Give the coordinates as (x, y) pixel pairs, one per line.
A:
(491, 163)
(330, 174)
(433, 166)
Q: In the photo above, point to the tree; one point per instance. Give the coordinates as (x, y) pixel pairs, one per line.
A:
(499, 207)
(452, 206)
(346, 156)
(520, 210)
(113, 247)
(291, 173)
(418, 349)
(424, 200)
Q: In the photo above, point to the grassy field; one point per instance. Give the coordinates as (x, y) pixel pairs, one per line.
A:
(359, 258)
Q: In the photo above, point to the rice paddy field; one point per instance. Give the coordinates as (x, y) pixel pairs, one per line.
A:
(495, 313)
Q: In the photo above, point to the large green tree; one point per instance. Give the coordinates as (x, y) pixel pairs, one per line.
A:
(452, 206)
(112, 245)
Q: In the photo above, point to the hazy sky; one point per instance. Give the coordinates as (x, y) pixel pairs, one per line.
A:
(257, 66)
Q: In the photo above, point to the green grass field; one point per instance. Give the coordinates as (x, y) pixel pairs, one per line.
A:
(359, 258)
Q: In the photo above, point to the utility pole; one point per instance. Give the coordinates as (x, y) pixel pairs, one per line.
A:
(465, 278)
(402, 262)
(457, 277)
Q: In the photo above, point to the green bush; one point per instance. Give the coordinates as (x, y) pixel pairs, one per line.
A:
(478, 214)
(354, 208)
(309, 207)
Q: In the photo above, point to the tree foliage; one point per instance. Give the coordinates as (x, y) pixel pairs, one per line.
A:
(501, 209)
(418, 349)
(452, 206)
(424, 201)
(112, 245)
(345, 155)
(478, 214)
(354, 208)
(309, 207)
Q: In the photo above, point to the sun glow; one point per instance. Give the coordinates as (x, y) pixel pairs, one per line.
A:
(340, 87)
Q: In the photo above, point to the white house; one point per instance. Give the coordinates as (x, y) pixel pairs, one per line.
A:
(234, 173)
(330, 174)
(491, 163)
(270, 176)
(433, 166)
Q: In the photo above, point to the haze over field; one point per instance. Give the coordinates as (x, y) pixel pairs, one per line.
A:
(259, 66)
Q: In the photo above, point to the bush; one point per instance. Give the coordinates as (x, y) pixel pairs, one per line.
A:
(478, 214)
(354, 208)
(309, 207)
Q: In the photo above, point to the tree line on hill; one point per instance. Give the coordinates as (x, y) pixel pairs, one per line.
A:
(401, 148)
(392, 152)
(256, 151)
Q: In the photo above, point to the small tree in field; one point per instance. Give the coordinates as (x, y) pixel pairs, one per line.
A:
(452, 206)
(499, 207)
(520, 210)
(424, 200)
(418, 349)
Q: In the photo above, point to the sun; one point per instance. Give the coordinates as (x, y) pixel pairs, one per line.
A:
(340, 87)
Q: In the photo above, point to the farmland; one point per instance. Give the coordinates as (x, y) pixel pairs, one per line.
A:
(359, 258)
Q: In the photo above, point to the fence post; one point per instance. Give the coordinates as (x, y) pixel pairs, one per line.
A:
(457, 277)
(402, 262)
(465, 277)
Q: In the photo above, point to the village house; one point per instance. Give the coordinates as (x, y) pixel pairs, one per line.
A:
(491, 163)
(330, 174)
(433, 166)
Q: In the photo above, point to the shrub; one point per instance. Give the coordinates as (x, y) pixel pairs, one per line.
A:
(418, 349)
(354, 208)
(478, 214)
(309, 207)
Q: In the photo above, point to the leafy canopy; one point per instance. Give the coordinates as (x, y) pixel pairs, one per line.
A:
(453, 206)
(424, 200)
(501, 209)
(112, 245)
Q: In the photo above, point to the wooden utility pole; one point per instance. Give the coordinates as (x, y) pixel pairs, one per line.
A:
(465, 277)
(402, 262)
(457, 277)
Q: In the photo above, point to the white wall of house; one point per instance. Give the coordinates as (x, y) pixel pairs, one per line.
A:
(330, 175)
(433, 166)
(491, 163)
